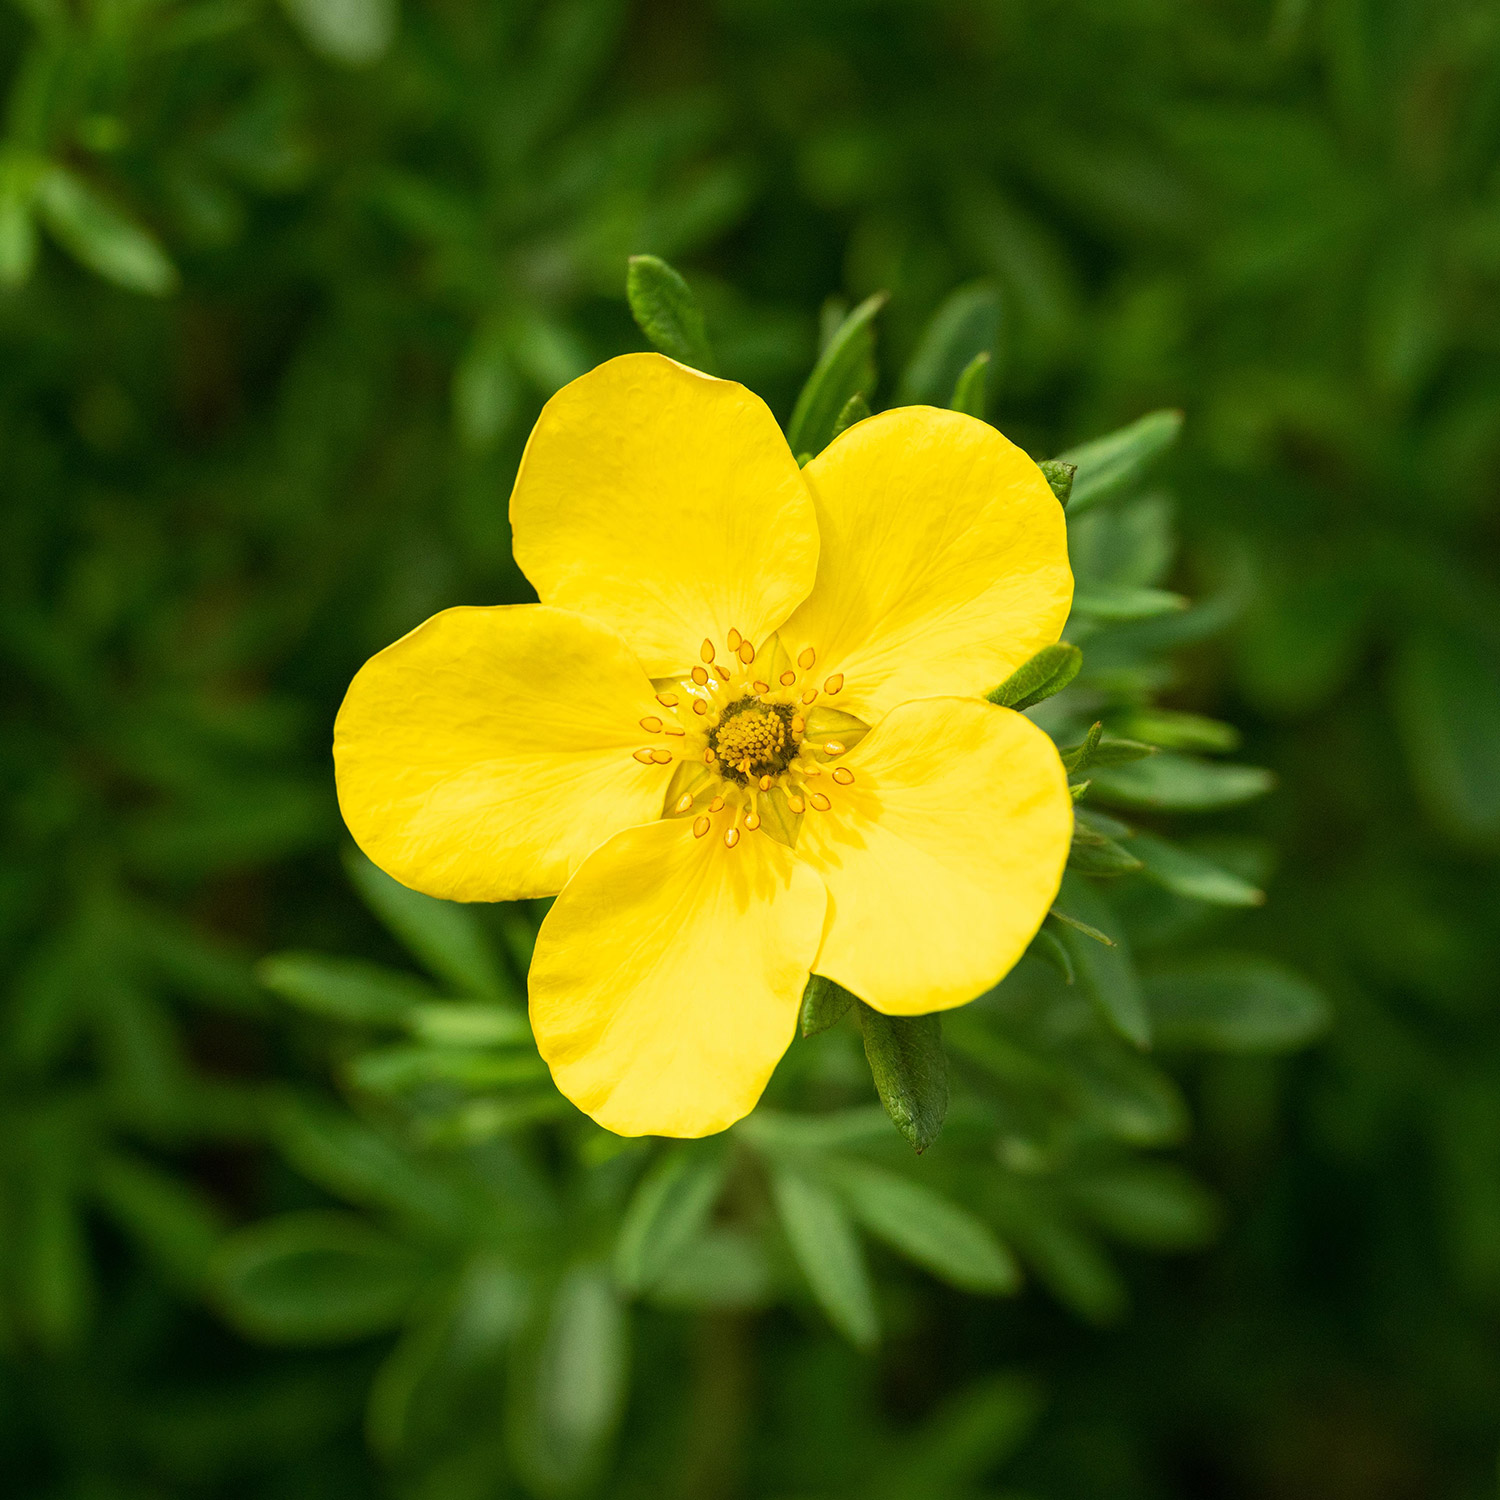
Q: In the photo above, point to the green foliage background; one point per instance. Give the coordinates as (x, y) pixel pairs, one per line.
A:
(285, 288)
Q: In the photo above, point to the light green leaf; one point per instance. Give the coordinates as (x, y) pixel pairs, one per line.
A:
(964, 327)
(102, 236)
(1048, 672)
(344, 989)
(1181, 783)
(1149, 1204)
(1104, 601)
(824, 1004)
(445, 935)
(667, 312)
(926, 1227)
(828, 1251)
(722, 1268)
(468, 1025)
(355, 33)
(1191, 875)
(1233, 1003)
(855, 409)
(18, 180)
(670, 1206)
(1110, 465)
(1108, 974)
(846, 368)
(314, 1278)
(910, 1069)
(1059, 477)
(969, 391)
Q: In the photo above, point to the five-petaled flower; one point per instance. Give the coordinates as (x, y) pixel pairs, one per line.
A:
(742, 734)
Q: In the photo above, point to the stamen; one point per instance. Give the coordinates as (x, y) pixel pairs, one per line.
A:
(709, 757)
(734, 639)
(699, 706)
(723, 673)
(667, 700)
(807, 658)
(700, 827)
(651, 724)
(662, 757)
(731, 838)
(673, 729)
(746, 652)
(706, 650)
(761, 687)
(834, 747)
(809, 695)
(644, 756)
(834, 683)
(798, 724)
(765, 783)
(820, 802)
(788, 677)
(684, 802)
(844, 776)
(795, 802)
(716, 805)
(700, 676)
(752, 821)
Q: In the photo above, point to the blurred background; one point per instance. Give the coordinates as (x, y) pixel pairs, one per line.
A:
(285, 286)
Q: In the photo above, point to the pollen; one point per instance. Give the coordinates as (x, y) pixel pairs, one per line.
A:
(734, 639)
(752, 821)
(834, 747)
(809, 695)
(662, 757)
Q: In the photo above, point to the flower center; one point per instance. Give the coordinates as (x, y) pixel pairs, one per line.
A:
(754, 739)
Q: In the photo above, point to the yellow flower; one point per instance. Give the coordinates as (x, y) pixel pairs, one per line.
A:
(742, 734)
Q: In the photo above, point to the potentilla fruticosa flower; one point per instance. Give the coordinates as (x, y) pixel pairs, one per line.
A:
(741, 738)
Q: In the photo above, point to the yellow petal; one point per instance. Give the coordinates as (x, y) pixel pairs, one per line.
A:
(667, 977)
(943, 856)
(944, 561)
(667, 505)
(482, 756)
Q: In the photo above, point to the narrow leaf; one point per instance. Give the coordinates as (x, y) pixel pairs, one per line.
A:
(965, 326)
(824, 1003)
(1048, 672)
(1098, 855)
(667, 312)
(1230, 1003)
(855, 409)
(670, 1207)
(1119, 602)
(1191, 875)
(102, 236)
(1047, 948)
(1181, 783)
(910, 1069)
(828, 1251)
(1110, 465)
(343, 989)
(1060, 476)
(846, 368)
(1108, 974)
(969, 391)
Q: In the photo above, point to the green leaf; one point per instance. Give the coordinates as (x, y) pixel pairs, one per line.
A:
(1095, 750)
(824, 1004)
(1050, 950)
(1060, 477)
(171, 1221)
(1109, 465)
(399, 1070)
(846, 368)
(1171, 729)
(965, 326)
(445, 935)
(101, 236)
(1447, 700)
(722, 1268)
(1048, 672)
(1108, 974)
(567, 1386)
(927, 1228)
(1181, 783)
(970, 1435)
(1067, 919)
(1233, 1003)
(969, 391)
(354, 33)
(18, 180)
(1149, 1204)
(667, 312)
(828, 1251)
(855, 409)
(1073, 1266)
(1104, 601)
(1191, 875)
(1095, 854)
(668, 1210)
(344, 989)
(314, 1278)
(910, 1069)
(1126, 1097)
(468, 1025)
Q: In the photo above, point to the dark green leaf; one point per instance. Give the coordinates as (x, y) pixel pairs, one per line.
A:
(824, 1004)
(669, 1209)
(964, 327)
(1110, 465)
(102, 236)
(344, 989)
(1050, 950)
(845, 369)
(1231, 1003)
(1181, 783)
(1192, 875)
(828, 1251)
(1060, 476)
(1107, 973)
(667, 312)
(1048, 672)
(910, 1069)
(969, 391)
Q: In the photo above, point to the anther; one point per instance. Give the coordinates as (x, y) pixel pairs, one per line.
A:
(820, 802)
(700, 827)
(834, 747)
(709, 757)
(644, 756)
(667, 700)
(798, 724)
(661, 757)
(765, 783)
(794, 802)
(699, 706)
(844, 776)
(722, 672)
(788, 677)
(651, 724)
(807, 658)
(684, 802)
(752, 821)
(809, 695)
(834, 683)
(706, 651)
(673, 729)
(731, 837)
(716, 805)
(700, 676)
(761, 687)
(734, 639)
(746, 652)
